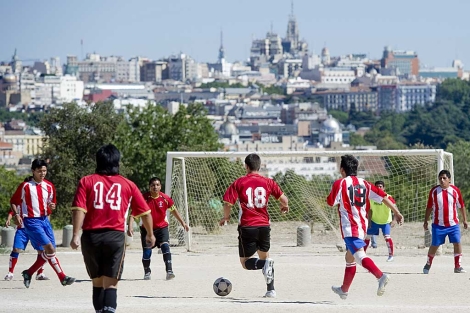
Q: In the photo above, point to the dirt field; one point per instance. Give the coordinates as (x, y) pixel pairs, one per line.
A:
(304, 276)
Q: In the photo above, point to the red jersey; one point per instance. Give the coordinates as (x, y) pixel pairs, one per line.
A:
(444, 204)
(352, 195)
(158, 207)
(253, 191)
(105, 200)
(34, 198)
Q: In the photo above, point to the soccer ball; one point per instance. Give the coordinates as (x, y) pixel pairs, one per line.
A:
(222, 286)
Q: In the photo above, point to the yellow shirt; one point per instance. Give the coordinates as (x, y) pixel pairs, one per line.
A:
(381, 214)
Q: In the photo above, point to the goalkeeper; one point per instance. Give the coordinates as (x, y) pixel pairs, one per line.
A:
(380, 217)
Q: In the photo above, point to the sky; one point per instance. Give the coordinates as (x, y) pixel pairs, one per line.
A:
(439, 31)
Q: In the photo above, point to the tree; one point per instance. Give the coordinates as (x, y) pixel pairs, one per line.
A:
(150, 133)
(73, 135)
(10, 182)
(460, 151)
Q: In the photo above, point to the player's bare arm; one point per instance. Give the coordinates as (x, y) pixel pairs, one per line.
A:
(16, 213)
(147, 222)
(284, 204)
(227, 208)
(78, 215)
(426, 218)
(177, 215)
(464, 217)
(396, 212)
(130, 226)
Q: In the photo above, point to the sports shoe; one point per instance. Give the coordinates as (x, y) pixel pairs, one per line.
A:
(9, 276)
(147, 276)
(459, 270)
(170, 275)
(426, 268)
(270, 294)
(268, 271)
(67, 281)
(390, 258)
(41, 277)
(26, 278)
(343, 295)
(374, 246)
(383, 281)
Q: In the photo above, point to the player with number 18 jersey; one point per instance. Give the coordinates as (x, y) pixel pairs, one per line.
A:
(253, 191)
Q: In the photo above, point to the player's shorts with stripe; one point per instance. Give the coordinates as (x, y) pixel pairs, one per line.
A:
(161, 235)
(21, 240)
(252, 239)
(439, 234)
(103, 251)
(374, 229)
(353, 244)
(39, 230)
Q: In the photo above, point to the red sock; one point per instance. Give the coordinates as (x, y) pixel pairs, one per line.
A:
(367, 241)
(12, 263)
(369, 265)
(349, 273)
(389, 243)
(40, 261)
(40, 270)
(430, 258)
(54, 262)
(457, 258)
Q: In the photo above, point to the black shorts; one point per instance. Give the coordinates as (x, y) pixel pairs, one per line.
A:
(252, 239)
(103, 252)
(161, 235)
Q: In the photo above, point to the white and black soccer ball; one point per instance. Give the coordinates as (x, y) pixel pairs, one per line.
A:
(222, 286)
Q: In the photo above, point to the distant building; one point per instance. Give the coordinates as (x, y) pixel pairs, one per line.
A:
(406, 62)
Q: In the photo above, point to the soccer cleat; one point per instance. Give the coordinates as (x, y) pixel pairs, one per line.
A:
(268, 271)
(67, 281)
(390, 258)
(270, 294)
(41, 277)
(147, 276)
(26, 278)
(343, 295)
(383, 281)
(170, 275)
(426, 269)
(9, 276)
(459, 270)
(374, 246)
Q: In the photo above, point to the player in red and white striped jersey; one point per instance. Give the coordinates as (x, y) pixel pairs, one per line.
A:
(351, 194)
(443, 202)
(37, 199)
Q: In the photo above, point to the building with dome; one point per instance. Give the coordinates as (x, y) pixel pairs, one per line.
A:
(330, 131)
(8, 87)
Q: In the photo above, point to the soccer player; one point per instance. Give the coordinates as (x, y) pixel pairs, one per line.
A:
(159, 203)
(443, 202)
(352, 195)
(99, 207)
(253, 191)
(380, 217)
(19, 243)
(38, 198)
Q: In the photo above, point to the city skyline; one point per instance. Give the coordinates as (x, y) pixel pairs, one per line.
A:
(130, 29)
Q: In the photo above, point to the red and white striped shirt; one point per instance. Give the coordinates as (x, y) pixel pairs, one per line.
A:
(444, 204)
(34, 198)
(352, 195)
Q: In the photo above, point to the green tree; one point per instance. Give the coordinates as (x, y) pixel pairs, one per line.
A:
(150, 133)
(461, 151)
(341, 116)
(73, 135)
(10, 182)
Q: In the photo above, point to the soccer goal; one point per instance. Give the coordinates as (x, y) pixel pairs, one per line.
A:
(197, 181)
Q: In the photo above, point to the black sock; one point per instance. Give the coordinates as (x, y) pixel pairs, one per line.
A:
(167, 260)
(254, 264)
(271, 285)
(110, 300)
(98, 296)
(146, 264)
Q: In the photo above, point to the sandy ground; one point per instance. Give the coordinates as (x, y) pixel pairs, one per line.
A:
(304, 276)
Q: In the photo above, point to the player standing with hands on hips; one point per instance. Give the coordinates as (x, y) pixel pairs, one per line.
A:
(99, 208)
(351, 194)
(253, 191)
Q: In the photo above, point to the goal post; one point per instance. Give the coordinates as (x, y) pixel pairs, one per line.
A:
(197, 181)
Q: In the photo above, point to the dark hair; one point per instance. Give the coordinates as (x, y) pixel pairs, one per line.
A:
(37, 163)
(27, 179)
(349, 164)
(107, 160)
(154, 179)
(446, 172)
(253, 161)
(379, 182)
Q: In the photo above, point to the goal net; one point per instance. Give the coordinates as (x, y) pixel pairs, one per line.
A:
(197, 181)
